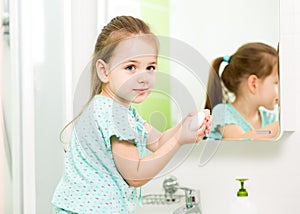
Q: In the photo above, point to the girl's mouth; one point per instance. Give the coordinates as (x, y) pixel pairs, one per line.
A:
(141, 91)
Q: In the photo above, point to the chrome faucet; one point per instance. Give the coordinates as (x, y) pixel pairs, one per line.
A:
(192, 196)
(192, 202)
(171, 186)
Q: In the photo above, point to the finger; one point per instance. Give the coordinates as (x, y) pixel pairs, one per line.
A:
(206, 112)
(207, 131)
(209, 121)
(201, 130)
(209, 124)
(208, 118)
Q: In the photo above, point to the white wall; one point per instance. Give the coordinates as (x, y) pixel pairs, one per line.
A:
(5, 156)
(273, 168)
(5, 165)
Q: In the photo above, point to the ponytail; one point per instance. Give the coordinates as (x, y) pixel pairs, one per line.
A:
(214, 94)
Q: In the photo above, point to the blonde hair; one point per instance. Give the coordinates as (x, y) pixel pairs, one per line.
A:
(118, 29)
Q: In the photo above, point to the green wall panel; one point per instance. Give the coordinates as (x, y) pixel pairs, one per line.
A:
(156, 109)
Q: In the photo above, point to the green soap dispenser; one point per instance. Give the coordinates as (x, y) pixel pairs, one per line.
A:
(242, 204)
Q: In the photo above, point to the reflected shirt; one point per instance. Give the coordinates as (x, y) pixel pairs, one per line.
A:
(91, 182)
(226, 114)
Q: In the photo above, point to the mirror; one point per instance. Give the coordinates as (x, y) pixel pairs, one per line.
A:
(216, 29)
(243, 94)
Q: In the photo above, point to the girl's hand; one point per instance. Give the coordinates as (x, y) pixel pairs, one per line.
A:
(205, 128)
(186, 136)
(208, 121)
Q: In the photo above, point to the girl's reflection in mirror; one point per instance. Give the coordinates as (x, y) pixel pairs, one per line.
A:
(244, 94)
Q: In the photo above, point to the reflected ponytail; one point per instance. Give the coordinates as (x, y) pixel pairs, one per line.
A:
(214, 94)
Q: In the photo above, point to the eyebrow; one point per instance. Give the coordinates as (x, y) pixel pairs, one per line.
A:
(131, 60)
(152, 63)
(136, 61)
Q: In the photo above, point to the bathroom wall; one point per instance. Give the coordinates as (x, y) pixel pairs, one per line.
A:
(5, 156)
(272, 167)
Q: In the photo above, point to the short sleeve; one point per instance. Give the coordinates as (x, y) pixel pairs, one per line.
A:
(218, 120)
(219, 116)
(112, 119)
(225, 114)
(138, 118)
(268, 116)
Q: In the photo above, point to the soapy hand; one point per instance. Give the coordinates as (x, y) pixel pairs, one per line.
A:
(197, 120)
(205, 125)
(194, 127)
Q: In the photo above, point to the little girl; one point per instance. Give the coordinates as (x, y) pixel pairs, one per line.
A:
(106, 158)
(251, 75)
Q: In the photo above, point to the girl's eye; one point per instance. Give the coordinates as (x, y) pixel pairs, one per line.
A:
(130, 68)
(151, 68)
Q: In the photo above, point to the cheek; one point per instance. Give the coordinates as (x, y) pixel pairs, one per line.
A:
(117, 86)
(118, 79)
(152, 80)
(272, 92)
(122, 86)
(275, 90)
(125, 84)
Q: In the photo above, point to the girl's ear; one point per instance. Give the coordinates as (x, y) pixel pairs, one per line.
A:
(102, 71)
(252, 83)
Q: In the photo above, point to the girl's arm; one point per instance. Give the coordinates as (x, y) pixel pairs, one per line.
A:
(138, 171)
(156, 138)
(234, 132)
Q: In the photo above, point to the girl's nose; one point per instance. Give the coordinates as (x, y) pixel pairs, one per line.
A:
(142, 77)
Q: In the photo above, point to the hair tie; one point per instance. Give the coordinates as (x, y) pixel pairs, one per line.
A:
(226, 58)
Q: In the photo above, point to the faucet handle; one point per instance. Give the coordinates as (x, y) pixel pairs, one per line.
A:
(192, 202)
(189, 198)
(192, 196)
(170, 186)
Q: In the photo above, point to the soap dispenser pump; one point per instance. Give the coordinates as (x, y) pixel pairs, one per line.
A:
(242, 204)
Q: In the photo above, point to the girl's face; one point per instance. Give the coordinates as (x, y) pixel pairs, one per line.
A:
(269, 90)
(131, 74)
